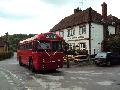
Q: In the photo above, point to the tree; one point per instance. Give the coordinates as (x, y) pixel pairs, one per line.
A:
(113, 43)
(15, 39)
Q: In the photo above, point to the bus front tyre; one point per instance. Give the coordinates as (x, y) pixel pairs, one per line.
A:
(31, 66)
(20, 62)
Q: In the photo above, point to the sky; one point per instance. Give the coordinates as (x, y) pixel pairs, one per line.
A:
(39, 16)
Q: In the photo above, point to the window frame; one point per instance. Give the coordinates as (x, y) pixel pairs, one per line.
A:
(61, 33)
(82, 45)
(71, 32)
(82, 29)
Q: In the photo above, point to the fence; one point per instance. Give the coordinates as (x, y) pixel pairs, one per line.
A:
(5, 55)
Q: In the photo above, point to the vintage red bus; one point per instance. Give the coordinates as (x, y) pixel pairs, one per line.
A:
(41, 52)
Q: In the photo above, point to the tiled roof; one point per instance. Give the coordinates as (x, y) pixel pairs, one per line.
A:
(72, 20)
(112, 19)
(96, 17)
(83, 17)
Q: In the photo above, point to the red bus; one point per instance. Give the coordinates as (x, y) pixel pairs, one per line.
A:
(41, 52)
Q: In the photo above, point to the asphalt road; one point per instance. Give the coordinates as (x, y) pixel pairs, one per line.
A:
(14, 77)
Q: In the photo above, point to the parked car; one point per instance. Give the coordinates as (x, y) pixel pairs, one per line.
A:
(107, 58)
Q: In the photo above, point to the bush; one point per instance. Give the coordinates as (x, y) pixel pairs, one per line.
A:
(6, 55)
(82, 52)
(70, 52)
(76, 52)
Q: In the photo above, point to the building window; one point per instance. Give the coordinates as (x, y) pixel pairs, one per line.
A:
(82, 46)
(71, 32)
(71, 46)
(82, 29)
(61, 33)
(68, 32)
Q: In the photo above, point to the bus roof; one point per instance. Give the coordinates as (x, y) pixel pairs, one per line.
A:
(43, 36)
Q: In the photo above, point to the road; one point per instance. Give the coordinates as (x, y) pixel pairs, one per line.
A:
(14, 77)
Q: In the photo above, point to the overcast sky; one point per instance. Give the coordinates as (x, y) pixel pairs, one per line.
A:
(39, 16)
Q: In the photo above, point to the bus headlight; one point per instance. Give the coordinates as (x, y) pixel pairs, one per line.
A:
(53, 61)
(43, 61)
(59, 60)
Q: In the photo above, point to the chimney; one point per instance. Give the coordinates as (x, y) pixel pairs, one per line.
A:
(77, 10)
(105, 26)
(104, 10)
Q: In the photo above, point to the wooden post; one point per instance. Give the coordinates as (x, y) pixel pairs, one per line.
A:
(90, 18)
(6, 41)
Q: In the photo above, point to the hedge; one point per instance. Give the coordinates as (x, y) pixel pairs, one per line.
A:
(78, 52)
(6, 55)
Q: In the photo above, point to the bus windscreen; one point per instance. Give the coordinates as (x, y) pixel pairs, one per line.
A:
(56, 46)
(43, 46)
(49, 46)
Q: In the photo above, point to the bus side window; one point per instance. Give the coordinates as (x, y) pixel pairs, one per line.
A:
(34, 45)
(26, 46)
(18, 47)
(23, 47)
(30, 45)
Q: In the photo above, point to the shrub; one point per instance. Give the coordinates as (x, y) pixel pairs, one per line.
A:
(5, 55)
(70, 52)
(76, 52)
(82, 52)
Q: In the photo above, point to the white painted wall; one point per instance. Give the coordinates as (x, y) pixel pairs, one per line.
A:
(57, 32)
(96, 37)
(77, 38)
(111, 29)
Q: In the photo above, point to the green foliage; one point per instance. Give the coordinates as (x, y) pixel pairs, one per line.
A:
(113, 43)
(71, 52)
(82, 52)
(6, 55)
(66, 46)
(14, 39)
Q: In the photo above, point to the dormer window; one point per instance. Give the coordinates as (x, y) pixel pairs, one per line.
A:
(82, 29)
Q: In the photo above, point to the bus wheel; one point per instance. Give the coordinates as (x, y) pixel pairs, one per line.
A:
(31, 66)
(20, 62)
